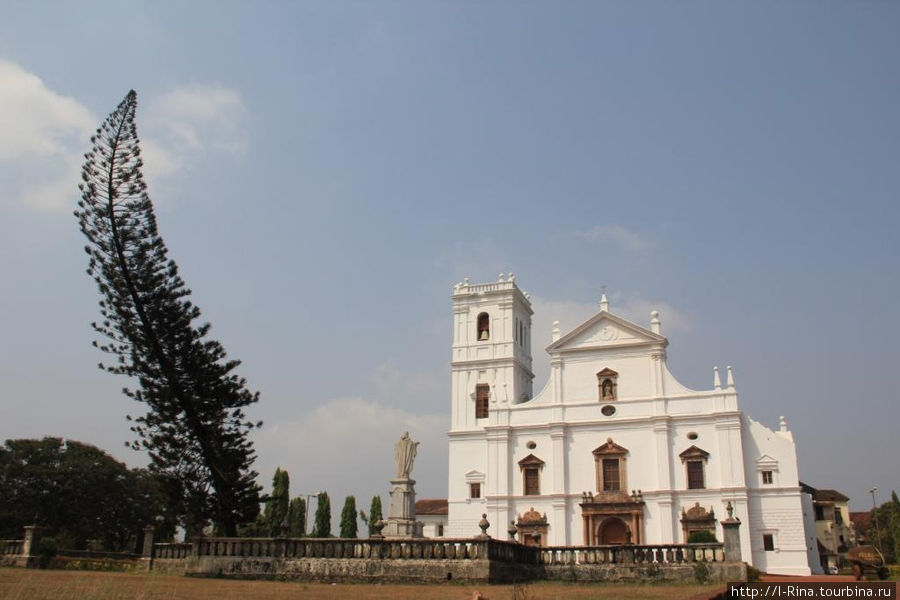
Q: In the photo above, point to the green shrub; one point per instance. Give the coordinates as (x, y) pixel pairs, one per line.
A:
(47, 549)
(752, 574)
(702, 537)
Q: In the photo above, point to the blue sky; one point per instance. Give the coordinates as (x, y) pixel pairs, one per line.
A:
(325, 172)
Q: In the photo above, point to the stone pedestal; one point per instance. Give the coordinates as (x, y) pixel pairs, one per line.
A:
(732, 537)
(401, 520)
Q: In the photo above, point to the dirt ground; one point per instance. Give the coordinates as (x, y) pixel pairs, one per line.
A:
(22, 584)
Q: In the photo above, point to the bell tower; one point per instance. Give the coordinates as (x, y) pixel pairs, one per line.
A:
(491, 362)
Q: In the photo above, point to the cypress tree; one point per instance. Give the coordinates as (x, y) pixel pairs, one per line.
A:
(278, 503)
(348, 518)
(194, 428)
(374, 514)
(322, 526)
(297, 517)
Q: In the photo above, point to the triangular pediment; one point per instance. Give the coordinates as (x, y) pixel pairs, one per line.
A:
(603, 330)
(694, 453)
(766, 461)
(474, 475)
(531, 461)
(610, 448)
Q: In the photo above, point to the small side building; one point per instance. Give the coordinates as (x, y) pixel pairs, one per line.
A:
(832, 525)
(432, 513)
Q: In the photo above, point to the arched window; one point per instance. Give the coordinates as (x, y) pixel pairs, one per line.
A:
(484, 327)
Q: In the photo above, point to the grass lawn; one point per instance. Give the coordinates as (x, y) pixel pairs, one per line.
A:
(27, 584)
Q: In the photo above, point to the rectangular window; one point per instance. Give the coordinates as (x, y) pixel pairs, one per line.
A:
(610, 474)
(820, 513)
(768, 542)
(695, 474)
(532, 482)
(439, 531)
(474, 490)
(482, 394)
(767, 477)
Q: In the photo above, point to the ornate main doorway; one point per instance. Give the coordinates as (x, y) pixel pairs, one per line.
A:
(613, 531)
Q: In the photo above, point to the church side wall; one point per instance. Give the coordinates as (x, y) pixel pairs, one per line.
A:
(774, 509)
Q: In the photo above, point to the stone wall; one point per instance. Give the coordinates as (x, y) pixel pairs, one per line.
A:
(432, 561)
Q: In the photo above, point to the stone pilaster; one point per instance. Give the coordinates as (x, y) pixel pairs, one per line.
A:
(30, 559)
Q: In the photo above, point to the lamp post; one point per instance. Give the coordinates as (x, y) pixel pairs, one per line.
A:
(875, 517)
(308, 496)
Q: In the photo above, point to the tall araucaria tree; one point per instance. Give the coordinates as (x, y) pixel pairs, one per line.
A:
(195, 429)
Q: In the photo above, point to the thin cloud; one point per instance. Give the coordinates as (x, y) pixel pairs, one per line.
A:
(45, 134)
(389, 380)
(197, 119)
(616, 235)
(35, 120)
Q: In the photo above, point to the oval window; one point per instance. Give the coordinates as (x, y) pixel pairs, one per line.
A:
(608, 410)
(692, 435)
(531, 445)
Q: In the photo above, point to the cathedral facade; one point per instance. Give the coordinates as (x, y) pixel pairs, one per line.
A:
(613, 449)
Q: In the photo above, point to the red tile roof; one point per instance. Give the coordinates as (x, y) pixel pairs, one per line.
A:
(431, 506)
(861, 520)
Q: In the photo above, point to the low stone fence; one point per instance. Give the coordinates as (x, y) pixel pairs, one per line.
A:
(668, 554)
(418, 560)
(669, 562)
(431, 560)
(170, 559)
(337, 559)
(172, 551)
(97, 554)
(10, 551)
(13, 547)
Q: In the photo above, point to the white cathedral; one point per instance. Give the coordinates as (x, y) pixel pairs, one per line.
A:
(613, 449)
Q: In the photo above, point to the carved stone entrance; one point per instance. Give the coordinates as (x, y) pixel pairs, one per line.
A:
(612, 518)
(532, 528)
(697, 518)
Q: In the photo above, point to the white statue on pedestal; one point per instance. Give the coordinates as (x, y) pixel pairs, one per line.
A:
(404, 454)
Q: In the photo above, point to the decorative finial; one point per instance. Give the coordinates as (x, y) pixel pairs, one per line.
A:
(512, 531)
(500, 277)
(379, 526)
(555, 333)
(654, 321)
(528, 296)
(465, 282)
(730, 378)
(512, 277)
(604, 302)
(782, 423)
(483, 524)
(717, 382)
(729, 509)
